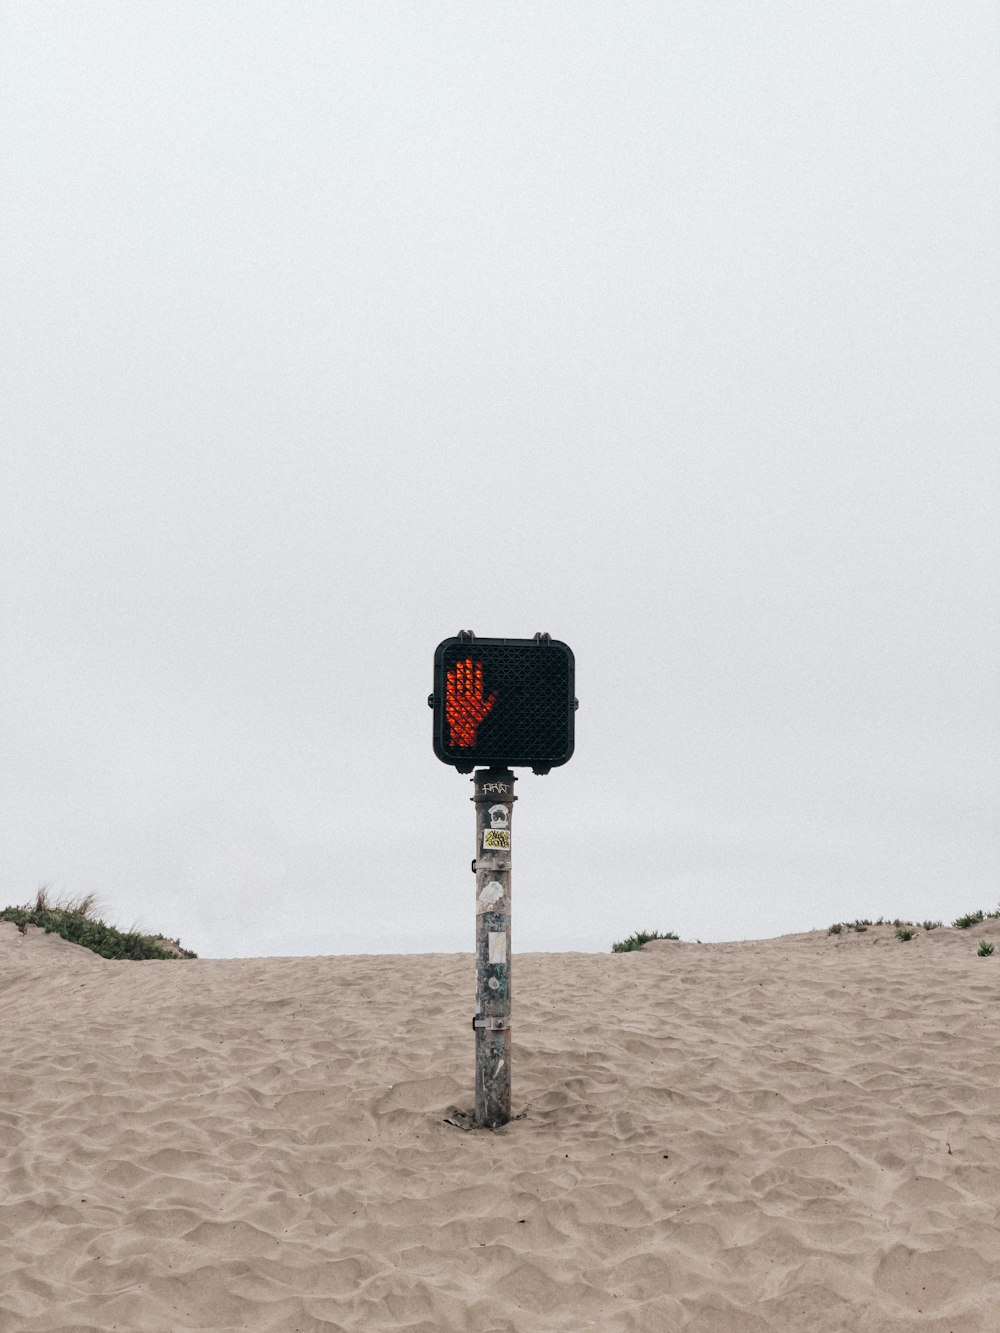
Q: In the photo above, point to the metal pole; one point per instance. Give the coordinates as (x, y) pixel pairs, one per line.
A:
(494, 800)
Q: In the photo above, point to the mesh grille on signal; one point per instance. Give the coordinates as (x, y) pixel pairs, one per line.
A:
(504, 702)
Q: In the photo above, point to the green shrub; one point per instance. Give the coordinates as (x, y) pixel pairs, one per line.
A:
(970, 919)
(836, 928)
(904, 933)
(640, 938)
(74, 920)
(931, 925)
(985, 948)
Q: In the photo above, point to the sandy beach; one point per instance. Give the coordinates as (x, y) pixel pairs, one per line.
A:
(792, 1134)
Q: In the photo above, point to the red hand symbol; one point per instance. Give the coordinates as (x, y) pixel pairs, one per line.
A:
(464, 705)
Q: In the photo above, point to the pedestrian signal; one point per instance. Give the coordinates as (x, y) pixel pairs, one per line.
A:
(503, 703)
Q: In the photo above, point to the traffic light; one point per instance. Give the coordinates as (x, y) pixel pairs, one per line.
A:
(503, 703)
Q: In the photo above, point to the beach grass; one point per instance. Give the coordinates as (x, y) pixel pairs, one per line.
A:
(76, 920)
(641, 937)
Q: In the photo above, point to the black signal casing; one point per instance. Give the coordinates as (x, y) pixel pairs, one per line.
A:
(530, 724)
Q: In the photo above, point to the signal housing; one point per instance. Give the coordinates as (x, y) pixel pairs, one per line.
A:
(503, 703)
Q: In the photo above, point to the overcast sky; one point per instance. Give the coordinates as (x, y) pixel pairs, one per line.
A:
(328, 329)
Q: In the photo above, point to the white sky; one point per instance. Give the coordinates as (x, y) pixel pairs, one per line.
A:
(327, 330)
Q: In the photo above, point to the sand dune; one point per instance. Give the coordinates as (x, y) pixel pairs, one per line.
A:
(794, 1134)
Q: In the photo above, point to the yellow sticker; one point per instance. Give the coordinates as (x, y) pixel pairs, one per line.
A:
(496, 839)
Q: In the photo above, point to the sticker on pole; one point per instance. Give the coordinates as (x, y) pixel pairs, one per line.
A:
(496, 840)
(491, 895)
(497, 947)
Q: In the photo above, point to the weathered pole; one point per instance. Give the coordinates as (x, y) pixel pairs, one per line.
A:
(494, 798)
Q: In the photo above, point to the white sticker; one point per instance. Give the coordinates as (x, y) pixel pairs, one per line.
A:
(490, 895)
(496, 840)
(498, 946)
(498, 816)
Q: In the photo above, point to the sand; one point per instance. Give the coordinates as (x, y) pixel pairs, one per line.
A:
(793, 1134)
